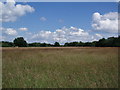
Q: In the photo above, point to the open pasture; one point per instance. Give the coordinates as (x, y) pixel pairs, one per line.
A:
(60, 67)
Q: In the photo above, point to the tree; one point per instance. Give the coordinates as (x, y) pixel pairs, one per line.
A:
(34, 44)
(43, 45)
(7, 44)
(81, 44)
(101, 43)
(88, 44)
(66, 44)
(56, 44)
(20, 42)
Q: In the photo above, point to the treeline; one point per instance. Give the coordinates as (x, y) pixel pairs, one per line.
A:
(109, 42)
(20, 42)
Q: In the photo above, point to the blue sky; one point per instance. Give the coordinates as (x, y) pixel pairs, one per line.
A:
(48, 17)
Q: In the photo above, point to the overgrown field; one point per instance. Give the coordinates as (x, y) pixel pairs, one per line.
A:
(60, 67)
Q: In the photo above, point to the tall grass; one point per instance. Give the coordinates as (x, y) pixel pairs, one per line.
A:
(60, 68)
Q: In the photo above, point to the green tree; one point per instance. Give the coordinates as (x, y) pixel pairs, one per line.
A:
(20, 42)
(101, 43)
(7, 44)
(56, 44)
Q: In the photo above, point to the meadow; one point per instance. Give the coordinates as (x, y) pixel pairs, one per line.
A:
(60, 67)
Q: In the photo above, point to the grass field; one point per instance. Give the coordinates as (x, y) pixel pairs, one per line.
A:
(60, 67)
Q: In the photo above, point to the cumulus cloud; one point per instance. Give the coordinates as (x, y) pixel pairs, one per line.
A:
(8, 31)
(11, 31)
(99, 35)
(23, 29)
(10, 11)
(43, 19)
(62, 35)
(106, 23)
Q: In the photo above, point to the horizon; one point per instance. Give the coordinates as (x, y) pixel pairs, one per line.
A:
(58, 42)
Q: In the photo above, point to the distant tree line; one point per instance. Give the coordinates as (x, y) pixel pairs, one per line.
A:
(20, 42)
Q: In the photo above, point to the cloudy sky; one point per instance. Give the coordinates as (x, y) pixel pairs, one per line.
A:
(61, 21)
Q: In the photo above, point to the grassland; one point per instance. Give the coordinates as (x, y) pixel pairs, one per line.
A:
(60, 67)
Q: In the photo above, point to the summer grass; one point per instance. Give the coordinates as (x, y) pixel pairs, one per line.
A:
(60, 68)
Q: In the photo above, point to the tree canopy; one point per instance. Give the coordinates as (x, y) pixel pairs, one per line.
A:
(56, 44)
(20, 42)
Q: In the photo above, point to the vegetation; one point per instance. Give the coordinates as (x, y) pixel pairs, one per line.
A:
(39, 45)
(63, 67)
(7, 44)
(20, 42)
(56, 44)
(109, 42)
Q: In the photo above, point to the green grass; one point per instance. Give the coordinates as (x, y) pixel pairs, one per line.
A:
(60, 68)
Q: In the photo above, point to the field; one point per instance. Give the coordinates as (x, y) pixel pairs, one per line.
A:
(74, 67)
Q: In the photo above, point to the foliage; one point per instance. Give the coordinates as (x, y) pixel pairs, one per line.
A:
(109, 42)
(39, 45)
(7, 44)
(20, 42)
(56, 44)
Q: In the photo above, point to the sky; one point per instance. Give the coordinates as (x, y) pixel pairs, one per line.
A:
(62, 22)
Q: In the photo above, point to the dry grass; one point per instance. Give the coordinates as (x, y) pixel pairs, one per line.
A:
(66, 67)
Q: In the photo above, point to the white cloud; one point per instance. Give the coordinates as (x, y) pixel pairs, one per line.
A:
(99, 35)
(23, 29)
(43, 19)
(10, 11)
(106, 23)
(62, 35)
(77, 32)
(9, 31)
